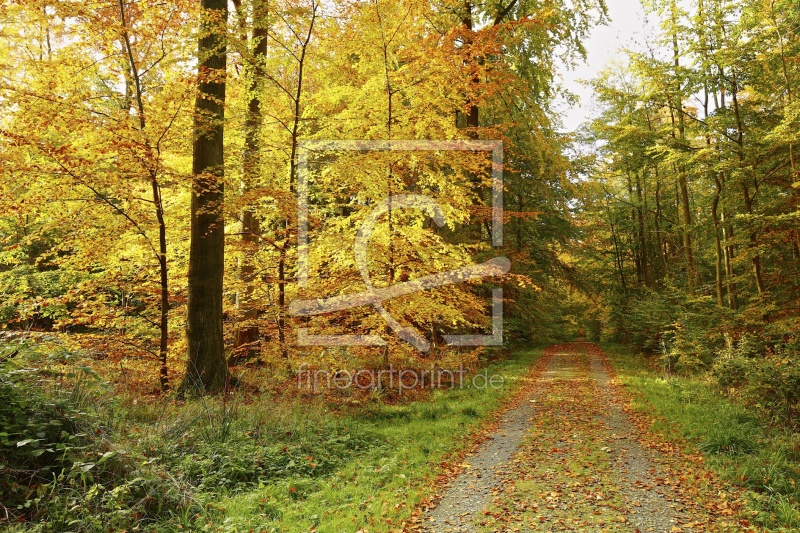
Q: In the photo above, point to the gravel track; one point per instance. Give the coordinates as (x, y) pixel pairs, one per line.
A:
(651, 507)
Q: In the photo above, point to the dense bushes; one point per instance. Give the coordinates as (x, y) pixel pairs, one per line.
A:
(686, 331)
(59, 471)
(763, 375)
(74, 459)
(751, 356)
(37, 437)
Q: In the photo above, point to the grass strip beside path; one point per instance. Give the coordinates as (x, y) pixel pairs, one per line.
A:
(690, 414)
(413, 448)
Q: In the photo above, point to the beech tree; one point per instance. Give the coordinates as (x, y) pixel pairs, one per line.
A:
(206, 366)
(92, 136)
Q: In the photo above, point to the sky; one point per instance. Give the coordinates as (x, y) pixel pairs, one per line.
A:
(626, 29)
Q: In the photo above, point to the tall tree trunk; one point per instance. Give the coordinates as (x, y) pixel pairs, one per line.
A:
(472, 116)
(617, 254)
(787, 80)
(748, 199)
(662, 251)
(206, 369)
(717, 241)
(637, 257)
(390, 91)
(691, 271)
(714, 202)
(247, 335)
(687, 236)
(297, 112)
(472, 110)
(642, 234)
(728, 250)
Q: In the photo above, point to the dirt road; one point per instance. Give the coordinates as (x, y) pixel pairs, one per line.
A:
(568, 457)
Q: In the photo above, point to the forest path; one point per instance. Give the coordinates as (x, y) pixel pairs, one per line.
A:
(567, 457)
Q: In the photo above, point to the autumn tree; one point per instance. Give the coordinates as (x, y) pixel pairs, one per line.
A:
(95, 139)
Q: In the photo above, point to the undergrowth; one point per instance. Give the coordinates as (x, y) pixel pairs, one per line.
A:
(77, 457)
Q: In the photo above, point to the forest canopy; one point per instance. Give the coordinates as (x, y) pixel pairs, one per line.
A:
(116, 122)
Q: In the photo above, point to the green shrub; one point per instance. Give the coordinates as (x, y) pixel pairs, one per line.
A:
(58, 471)
(686, 330)
(776, 383)
(243, 462)
(38, 436)
(769, 379)
(732, 371)
(114, 492)
(731, 440)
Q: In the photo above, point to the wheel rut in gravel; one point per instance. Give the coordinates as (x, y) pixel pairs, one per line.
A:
(565, 457)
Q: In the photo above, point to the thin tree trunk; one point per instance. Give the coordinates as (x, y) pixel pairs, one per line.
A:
(391, 272)
(617, 255)
(295, 141)
(691, 271)
(727, 230)
(717, 242)
(786, 78)
(662, 251)
(748, 199)
(472, 114)
(642, 234)
(247, 335)
(714, 203)
(153, 159)
(727, 236)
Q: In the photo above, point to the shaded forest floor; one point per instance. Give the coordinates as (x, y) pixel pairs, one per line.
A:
(240, 461)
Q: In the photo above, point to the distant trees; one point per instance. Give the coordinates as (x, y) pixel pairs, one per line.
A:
(694, 190)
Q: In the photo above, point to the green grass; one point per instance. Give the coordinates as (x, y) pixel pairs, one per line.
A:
(246, 462)
(378, 487)
(737, 444)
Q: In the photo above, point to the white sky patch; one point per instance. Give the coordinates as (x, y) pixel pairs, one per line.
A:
(627, 28)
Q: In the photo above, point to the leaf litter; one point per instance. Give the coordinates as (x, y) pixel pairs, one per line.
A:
(570, 455)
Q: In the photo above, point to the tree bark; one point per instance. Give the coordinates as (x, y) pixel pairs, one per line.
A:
(206, 368)
(714, 203)
(642, 232)
(717, 241)
(748, 199)
(247, 334)
(728, 250)
(662, 246)
(617, 254)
